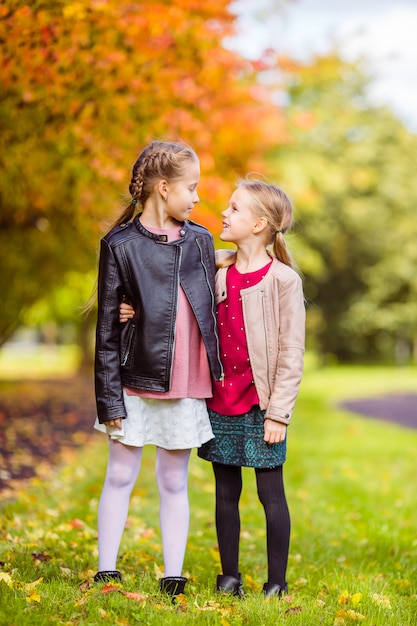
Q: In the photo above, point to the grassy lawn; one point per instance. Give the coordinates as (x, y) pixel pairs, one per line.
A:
(37, 361)
(351, 489)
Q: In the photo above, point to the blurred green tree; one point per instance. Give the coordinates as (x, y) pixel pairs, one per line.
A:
(349, 167)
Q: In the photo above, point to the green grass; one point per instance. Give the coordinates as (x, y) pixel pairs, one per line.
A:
(38, 361)
(350, 484)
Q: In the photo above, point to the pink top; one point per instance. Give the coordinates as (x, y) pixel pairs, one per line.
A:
(190, 372)
(237, 393)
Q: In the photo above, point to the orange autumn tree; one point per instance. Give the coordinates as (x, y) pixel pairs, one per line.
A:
(83, 87)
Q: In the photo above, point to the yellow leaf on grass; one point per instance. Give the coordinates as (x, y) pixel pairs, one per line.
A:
(356, 598)
(33, 597)
(30, 586)
(158, 571)
(6, 578)
(345, 597)
(351, 615)
(250, 583)
(380, 600)
(209, 605)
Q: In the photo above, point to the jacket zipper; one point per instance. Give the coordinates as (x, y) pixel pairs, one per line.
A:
(175, 323)
(129, 344)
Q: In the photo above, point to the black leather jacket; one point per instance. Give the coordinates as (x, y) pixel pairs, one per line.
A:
(146, 270)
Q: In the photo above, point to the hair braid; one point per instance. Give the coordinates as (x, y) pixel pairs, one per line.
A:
(158, 160)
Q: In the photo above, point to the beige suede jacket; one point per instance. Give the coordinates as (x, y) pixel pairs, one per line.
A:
(274, 315)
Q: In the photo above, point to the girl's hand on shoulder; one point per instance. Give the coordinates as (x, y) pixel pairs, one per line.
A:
(274, 432)
(126, 312)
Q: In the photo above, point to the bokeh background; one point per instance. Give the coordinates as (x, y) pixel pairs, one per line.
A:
(317, 96)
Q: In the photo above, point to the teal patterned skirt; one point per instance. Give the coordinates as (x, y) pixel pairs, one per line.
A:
(239, 440)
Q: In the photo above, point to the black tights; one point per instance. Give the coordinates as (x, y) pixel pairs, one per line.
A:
(271, 493)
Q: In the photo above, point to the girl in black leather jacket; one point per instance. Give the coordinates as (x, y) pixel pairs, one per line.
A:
(153, 374)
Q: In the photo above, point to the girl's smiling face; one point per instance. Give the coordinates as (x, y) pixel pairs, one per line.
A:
(238, 218)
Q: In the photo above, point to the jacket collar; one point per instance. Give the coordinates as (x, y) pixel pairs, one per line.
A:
(146, 233)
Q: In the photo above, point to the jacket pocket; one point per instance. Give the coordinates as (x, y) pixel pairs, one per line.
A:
(127, 344)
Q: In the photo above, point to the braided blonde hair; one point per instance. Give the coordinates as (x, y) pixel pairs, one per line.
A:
(158, 160)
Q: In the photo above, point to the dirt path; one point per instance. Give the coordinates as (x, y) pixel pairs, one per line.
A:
(400, 408)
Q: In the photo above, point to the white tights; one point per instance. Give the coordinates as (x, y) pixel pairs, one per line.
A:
(172, 480)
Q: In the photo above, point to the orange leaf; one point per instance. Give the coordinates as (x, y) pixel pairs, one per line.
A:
(134, 595)
(76, 523)
(109, 588)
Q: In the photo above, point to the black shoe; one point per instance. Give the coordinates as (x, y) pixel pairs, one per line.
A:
(106, 576)
(272, 589)
(230, 584)
(172, 585)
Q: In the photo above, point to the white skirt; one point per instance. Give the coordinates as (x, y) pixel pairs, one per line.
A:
(172, 424)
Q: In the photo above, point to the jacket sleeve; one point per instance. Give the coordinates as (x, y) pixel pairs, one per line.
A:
(291, 343)
(108, 385)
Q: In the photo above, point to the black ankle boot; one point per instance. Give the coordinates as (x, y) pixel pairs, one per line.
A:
(273, 589)
(172, 585)
(230, 584)
(107, 575)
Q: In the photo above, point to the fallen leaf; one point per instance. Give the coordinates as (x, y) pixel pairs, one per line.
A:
(351, 615)
(250, 583)
(134, 595)
(6, 578)
(65, 571)
(294, 610)
(85, 586)
(345, 597)
(381, 600)
(33, 597)
(76, 523)
(209, 605)
(40, 556)
(110, 588)
(158, 571)
(288, 598)
(34, 584)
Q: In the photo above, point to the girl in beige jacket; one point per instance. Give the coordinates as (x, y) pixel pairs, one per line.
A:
(261, 323)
